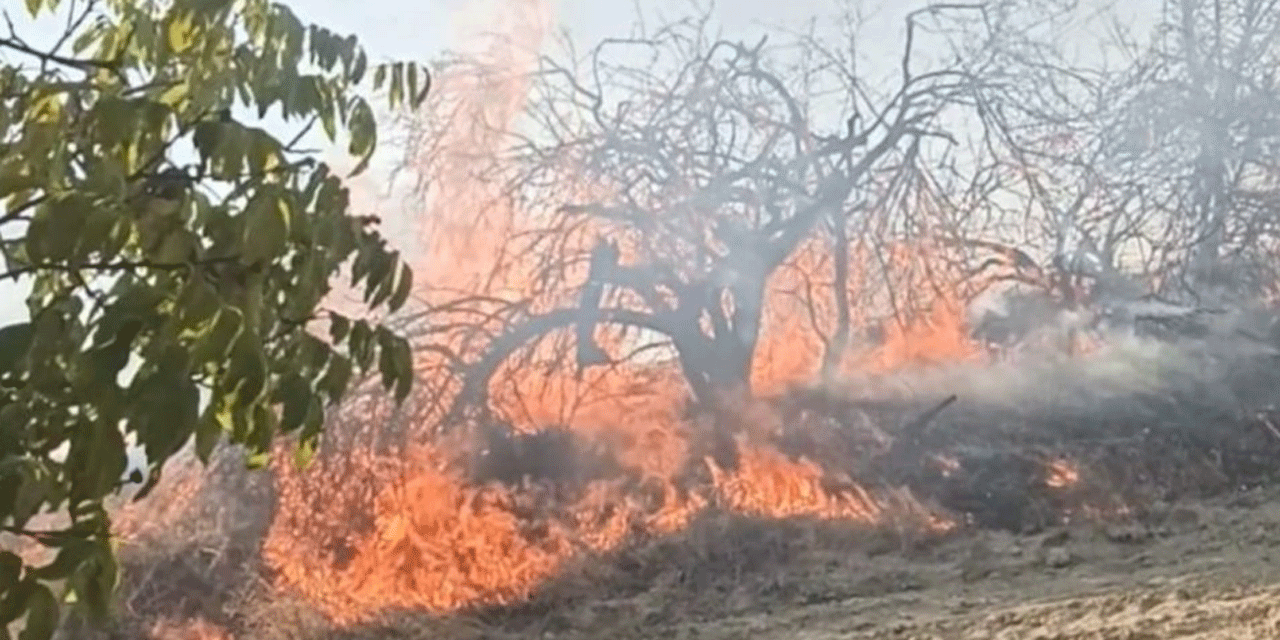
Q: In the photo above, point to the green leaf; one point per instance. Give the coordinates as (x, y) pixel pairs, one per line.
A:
(156, 275)
(95, 582)
(258, 460)
(214, 345)
(339, 327)
(16, 176)
(263, 428)
(15, 601)
(166, 405)
(96, 462)
(11, 476)
(70, 557)
(422, 94)
(114, 342)
(396, 95)
(55, 229)
(380, 284)
(404, 286)
(208, 433)
(10, 569)
(86, 39)
(328, 119)
(96, 235)
(314, 422)
(42, 615)
(175, 94)
(361, 344)
(36, 487)
(15, 340)
(294, 394)
(181, 33)
(247, 372)
(388, 363)
(304, 453)
(402, 355)
(266, 229)
(313, 353)
(198, 308)
(337, 376)
(395, 362)
(411, 72)
(358, 68)
(363, 135)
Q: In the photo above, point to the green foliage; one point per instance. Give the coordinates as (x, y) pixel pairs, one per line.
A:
(172, 300)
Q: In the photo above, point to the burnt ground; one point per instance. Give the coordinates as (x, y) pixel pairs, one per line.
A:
(1171, 530)
(1168, 528)
(1192, 569)
(1210, 570)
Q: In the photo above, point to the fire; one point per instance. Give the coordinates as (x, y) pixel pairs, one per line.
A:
(1062, 474)
(409, 529)
(383, 525)
(769, 485)
(395, 516)
(197, 629)
(440, 543)
(947, 465)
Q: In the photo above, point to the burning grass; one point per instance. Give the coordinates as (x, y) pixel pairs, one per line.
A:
(1093, 437)
(605, 483)
(511, 527)
(527, 555)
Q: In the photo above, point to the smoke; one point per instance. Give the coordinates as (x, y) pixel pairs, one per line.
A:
(1119, 366)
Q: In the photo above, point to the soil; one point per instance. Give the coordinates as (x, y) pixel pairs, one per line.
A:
(1198, 569)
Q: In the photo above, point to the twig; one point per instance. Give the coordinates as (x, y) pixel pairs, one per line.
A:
(83, 64)
(914, 430)
(1266, 421)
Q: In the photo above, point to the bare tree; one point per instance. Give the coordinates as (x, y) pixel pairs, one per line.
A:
(659, 197)
(657, 185)
(1163, 166)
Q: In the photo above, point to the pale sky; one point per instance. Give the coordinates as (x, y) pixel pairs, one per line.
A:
(422, 29)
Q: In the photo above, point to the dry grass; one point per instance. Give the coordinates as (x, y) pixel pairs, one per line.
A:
(189, 552)
(1130, 425)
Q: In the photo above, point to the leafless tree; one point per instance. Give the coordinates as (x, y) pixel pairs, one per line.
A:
(1163, 165)
(661, 182)
(660, 196)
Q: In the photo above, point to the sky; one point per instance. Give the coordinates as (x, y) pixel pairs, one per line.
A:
(424, 29)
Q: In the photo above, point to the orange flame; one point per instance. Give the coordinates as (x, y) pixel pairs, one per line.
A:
(400, 525)
(767, 484)
(1062, 474)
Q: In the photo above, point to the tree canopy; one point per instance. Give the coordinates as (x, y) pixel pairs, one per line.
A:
(178, 258)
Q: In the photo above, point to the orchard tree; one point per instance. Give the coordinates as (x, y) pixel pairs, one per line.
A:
(704, 169)
(1161, 162)
(177, 259)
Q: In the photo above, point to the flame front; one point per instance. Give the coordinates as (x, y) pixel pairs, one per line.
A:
(400, 525)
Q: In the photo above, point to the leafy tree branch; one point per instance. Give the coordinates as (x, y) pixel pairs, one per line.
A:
(158, 276)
